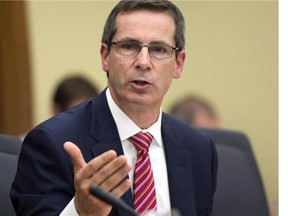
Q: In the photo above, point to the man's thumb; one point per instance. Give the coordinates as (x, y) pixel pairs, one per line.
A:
(76, 155)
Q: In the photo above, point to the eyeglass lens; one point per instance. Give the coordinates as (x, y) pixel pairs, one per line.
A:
(132, 48)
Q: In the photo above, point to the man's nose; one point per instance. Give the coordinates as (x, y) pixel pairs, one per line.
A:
(143, 59)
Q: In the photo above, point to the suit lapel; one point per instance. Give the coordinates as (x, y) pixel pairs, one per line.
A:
(179, 168)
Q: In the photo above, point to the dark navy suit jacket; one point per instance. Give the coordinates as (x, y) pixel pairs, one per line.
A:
(44, 180)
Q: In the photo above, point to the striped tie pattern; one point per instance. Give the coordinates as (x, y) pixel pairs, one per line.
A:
(143, 183)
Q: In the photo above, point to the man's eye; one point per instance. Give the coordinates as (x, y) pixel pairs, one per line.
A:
(158, 49)
(128, 46)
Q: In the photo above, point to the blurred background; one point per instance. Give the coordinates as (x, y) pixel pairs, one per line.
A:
(232, 60)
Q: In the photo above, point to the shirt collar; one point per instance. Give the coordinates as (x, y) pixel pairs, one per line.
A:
(126, 127)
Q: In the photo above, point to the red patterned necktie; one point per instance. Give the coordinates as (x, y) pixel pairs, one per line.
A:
(143, 183)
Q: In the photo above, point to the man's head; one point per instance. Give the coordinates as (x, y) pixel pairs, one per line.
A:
(143, 51)
(72, 91)
(195, 110)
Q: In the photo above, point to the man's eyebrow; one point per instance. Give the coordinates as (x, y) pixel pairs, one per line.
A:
(134, 40)
(159, 42)
(128, 39)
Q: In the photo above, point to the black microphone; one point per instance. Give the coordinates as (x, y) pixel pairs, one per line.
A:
(112, 200)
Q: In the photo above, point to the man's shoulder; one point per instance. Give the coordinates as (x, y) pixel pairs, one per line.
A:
(72, 119)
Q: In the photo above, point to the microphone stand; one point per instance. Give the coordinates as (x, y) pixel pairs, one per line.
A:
(112, 200)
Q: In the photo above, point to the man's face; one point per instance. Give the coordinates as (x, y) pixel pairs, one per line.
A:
(141, 80)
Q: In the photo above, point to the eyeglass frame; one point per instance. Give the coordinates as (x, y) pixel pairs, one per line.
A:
(176, 49)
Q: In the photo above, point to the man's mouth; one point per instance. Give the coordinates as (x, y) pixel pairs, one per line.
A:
(139, 82)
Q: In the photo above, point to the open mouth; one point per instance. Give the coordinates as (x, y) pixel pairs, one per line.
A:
(137, 82)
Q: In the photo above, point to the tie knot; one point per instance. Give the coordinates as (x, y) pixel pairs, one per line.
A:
(141, 141)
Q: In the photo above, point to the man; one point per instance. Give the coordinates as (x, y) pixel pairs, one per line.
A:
(195, 110)
(71, 91)
(142, 52)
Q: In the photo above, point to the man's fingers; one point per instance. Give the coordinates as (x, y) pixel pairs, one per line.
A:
(122, 188)
(88, 170)
(113, 172)
(76, 155)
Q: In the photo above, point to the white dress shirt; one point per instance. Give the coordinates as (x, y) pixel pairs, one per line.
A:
(127, 128)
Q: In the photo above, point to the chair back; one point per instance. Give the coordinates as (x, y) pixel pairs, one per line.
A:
(240, 190)
(9, 150)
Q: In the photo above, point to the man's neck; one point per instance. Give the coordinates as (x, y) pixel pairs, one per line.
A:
(143, 117)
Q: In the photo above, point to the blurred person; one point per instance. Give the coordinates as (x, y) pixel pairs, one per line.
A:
(195, 110)
(121, 137)
(71, 91)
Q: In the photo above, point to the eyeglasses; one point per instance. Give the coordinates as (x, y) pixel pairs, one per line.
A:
(132, 49)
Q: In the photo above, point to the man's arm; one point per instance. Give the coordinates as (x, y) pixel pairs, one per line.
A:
(44, 182)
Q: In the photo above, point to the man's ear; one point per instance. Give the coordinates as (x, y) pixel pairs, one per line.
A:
(179, 64)
(104, 56)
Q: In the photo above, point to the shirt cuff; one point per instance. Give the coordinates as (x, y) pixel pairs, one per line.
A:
(70, 209)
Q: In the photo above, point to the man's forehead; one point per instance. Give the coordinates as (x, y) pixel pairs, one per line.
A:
(153, 24)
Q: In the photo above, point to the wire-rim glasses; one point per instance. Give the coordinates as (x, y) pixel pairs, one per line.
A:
(156, 50)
